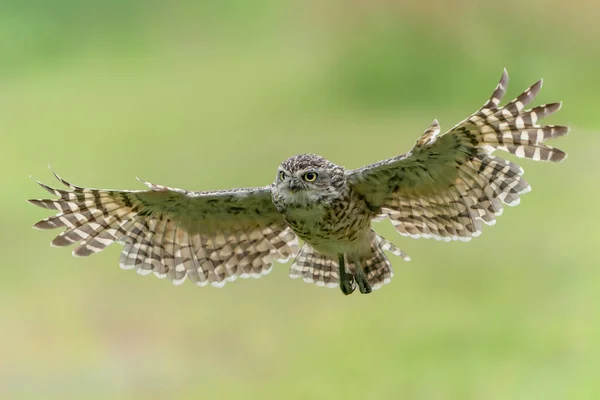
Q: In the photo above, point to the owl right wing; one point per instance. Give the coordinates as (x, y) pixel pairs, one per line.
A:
(208, 237)
(448, 184)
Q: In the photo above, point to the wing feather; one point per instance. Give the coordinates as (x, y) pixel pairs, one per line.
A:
(208, 237)
(448, 184)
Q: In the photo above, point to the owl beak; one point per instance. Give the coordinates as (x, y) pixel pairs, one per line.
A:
(294, 185)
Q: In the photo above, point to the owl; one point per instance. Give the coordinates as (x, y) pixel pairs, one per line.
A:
(446, 187)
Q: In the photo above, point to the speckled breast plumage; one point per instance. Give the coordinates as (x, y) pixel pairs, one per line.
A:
(330, 225)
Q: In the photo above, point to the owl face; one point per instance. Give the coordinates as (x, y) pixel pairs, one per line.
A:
(307, 178)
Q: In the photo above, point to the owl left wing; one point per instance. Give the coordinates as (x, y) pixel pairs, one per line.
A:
(208, 237)
(448, 184)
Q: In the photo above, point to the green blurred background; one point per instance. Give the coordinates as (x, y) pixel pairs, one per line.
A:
(210, 95)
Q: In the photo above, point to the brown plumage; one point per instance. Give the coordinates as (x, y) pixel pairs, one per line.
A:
(445, 188)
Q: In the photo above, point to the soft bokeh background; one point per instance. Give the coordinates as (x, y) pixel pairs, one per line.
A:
(215, 94)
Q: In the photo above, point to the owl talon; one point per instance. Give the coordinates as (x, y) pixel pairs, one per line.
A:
(347, 282)
(348, 285)
(363, 284)
(361, 278)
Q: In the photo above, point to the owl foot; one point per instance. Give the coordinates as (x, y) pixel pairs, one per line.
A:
(347, 282)
(361, 278)
(363, 284)
(348, 285)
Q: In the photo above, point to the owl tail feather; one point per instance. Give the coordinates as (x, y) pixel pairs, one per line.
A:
(314, 267)
(377, 267)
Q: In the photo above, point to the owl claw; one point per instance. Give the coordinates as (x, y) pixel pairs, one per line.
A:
(361, 278)
(348, 285)
(347, 282)
(363, 284)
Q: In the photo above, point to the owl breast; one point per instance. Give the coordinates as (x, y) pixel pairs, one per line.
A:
(331, 227)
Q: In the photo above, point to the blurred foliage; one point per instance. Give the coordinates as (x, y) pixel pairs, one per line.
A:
(215, 94)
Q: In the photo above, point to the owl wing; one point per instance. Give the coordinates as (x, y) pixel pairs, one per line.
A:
(207, 236)
(447, 185)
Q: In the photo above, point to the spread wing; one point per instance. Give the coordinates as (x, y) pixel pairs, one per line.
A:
(447, 185)
(207, 236)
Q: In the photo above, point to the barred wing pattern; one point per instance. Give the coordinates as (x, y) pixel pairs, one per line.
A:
(208, 237)
(448, 185)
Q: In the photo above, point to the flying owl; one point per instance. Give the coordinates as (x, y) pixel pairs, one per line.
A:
(446, 187)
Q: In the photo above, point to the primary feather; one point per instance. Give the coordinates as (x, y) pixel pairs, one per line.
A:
(208, 237)
(449, 184)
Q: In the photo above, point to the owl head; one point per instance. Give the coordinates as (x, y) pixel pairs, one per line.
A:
(308, 178)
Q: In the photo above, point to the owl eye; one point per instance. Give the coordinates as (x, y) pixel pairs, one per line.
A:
(310, 176)
(281, 175)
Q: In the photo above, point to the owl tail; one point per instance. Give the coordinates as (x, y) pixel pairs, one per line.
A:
(314, 267)
(377, 267)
